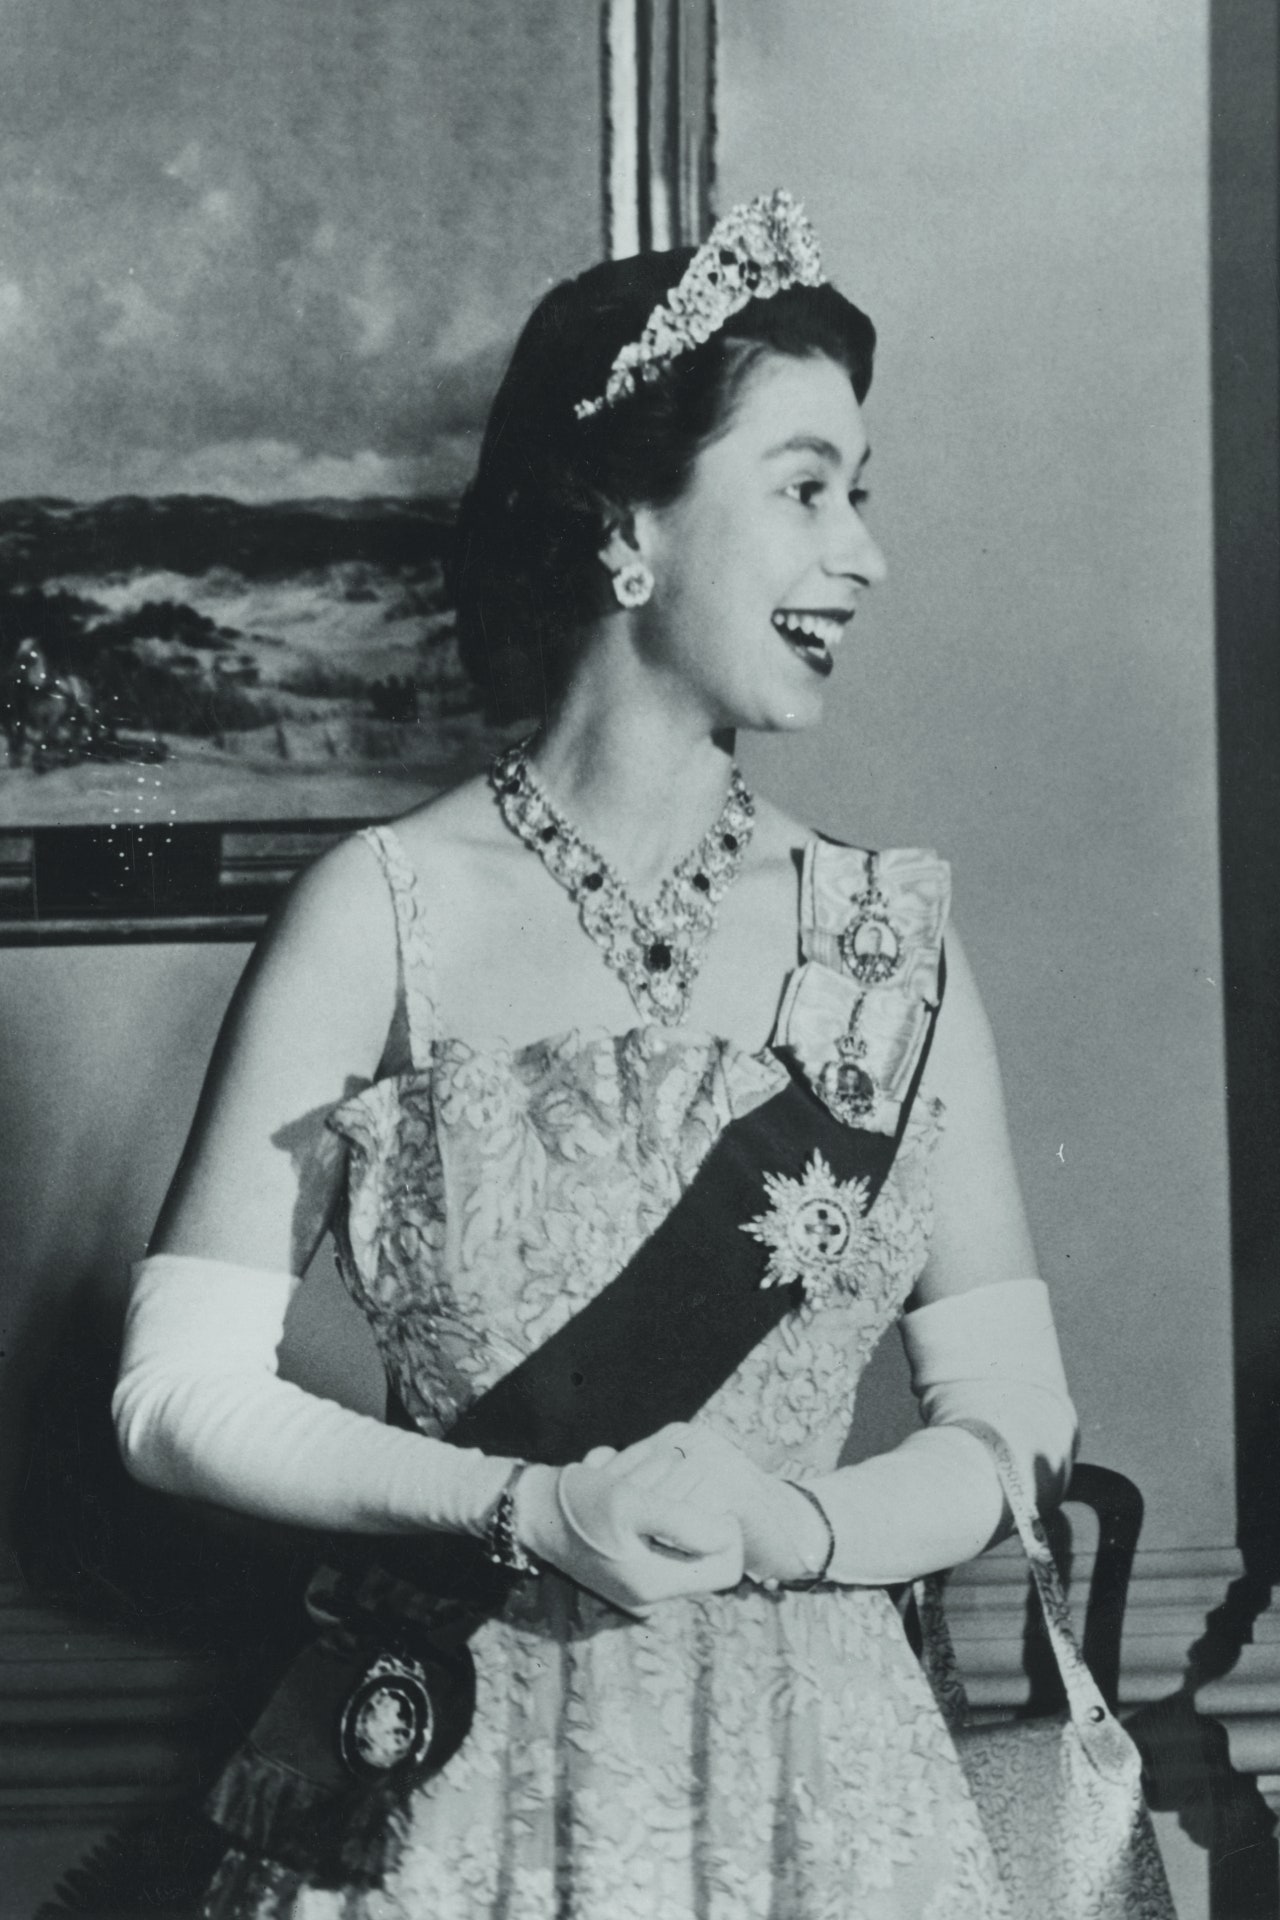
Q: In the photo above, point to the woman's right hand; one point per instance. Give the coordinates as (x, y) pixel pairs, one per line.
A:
(634, 1526)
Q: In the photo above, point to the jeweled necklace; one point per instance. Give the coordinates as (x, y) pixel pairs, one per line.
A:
(655, 950)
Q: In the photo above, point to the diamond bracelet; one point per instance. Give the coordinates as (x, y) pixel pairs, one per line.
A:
(500, 1540)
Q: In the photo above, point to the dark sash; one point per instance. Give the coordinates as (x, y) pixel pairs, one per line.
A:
(688, 1307)
(652, 1347)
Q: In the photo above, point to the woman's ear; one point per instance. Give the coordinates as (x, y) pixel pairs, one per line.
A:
(622, 557)
(620, 547)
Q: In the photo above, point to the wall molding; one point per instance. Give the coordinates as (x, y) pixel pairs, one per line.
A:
(1172, 1594)
(95, 1722)
(1247, 1703)
(95, 1719)
(103, 1732)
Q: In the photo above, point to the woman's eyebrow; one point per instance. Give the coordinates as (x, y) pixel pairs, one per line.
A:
(814, 443)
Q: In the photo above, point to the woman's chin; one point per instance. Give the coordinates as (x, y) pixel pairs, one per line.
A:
(796, 716)
(774, 708)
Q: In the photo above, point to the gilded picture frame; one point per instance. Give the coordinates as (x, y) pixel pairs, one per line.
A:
(206, 678)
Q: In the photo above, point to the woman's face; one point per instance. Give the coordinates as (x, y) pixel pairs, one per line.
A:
(759, 564)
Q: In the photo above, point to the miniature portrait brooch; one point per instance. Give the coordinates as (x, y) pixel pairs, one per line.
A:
(855, 1019)
(857, 1010)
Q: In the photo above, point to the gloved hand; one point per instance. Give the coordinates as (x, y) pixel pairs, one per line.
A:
(200, 1411)
(990, 1354)
(636, 1526)
(783, 1535)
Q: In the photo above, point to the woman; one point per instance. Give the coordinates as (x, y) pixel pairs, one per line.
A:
(525, 1052)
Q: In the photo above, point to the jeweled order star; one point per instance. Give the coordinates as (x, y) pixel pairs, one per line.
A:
(815, 1229)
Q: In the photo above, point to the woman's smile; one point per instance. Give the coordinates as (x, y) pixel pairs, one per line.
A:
(814, 635)
(765, 548)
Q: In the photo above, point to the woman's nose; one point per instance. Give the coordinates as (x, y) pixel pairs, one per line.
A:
(856, 555)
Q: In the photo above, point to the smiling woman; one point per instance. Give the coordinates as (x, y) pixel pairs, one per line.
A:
(623, 1591)
(768, 535)
(822, 475)
(564, 481)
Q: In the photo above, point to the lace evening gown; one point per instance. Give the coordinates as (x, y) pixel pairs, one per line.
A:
(747, 1756)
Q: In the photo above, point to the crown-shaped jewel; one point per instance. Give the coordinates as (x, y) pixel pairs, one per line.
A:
(755, 251)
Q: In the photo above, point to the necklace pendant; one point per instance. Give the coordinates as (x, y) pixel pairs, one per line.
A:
(655, 949)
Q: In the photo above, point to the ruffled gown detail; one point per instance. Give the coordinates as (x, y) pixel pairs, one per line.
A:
(741, 1756)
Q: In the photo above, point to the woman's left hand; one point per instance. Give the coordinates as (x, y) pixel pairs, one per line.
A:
(783, 1536)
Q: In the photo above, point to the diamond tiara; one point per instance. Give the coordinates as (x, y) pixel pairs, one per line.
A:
(755, 251)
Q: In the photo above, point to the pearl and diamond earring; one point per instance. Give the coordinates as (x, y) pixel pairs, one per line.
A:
(632, 584)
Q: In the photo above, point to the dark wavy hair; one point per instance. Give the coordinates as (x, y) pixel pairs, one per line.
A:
(525, 572)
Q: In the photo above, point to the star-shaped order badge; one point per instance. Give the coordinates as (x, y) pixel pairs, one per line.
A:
(815, 1230)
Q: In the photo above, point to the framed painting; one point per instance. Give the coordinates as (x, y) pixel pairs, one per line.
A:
(263, 261)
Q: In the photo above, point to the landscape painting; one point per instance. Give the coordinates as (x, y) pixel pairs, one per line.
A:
(261, 262)
(197, 658)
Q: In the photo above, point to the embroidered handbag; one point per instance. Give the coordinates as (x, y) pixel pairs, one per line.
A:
(1060, 1795)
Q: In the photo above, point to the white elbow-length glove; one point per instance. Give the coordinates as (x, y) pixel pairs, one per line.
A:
(200, 1410)
(936, 1500)
(990, 1354)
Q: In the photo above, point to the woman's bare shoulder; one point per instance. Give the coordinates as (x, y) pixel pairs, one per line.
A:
(305, 1029)
(776, 830)
(964, 1051)
(463, 809)
(778, 835)
(327, 957)
(460, 823)
(336, 924)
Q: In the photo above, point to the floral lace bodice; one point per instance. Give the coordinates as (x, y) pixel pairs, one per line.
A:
(742, 1755)
(492, 1192)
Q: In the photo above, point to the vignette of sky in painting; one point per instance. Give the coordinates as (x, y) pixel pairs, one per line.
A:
(279, 248)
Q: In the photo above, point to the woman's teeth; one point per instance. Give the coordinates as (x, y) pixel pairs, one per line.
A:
(813, 635)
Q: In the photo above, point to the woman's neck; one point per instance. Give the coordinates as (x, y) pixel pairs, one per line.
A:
(641, 790)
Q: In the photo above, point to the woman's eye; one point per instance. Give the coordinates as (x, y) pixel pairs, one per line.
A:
(859, 498)
(805, 491)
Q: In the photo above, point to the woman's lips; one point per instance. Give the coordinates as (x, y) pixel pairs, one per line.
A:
(813, 633)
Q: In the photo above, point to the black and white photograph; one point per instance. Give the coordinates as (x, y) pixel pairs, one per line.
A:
(639, 850)
(259, 289)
